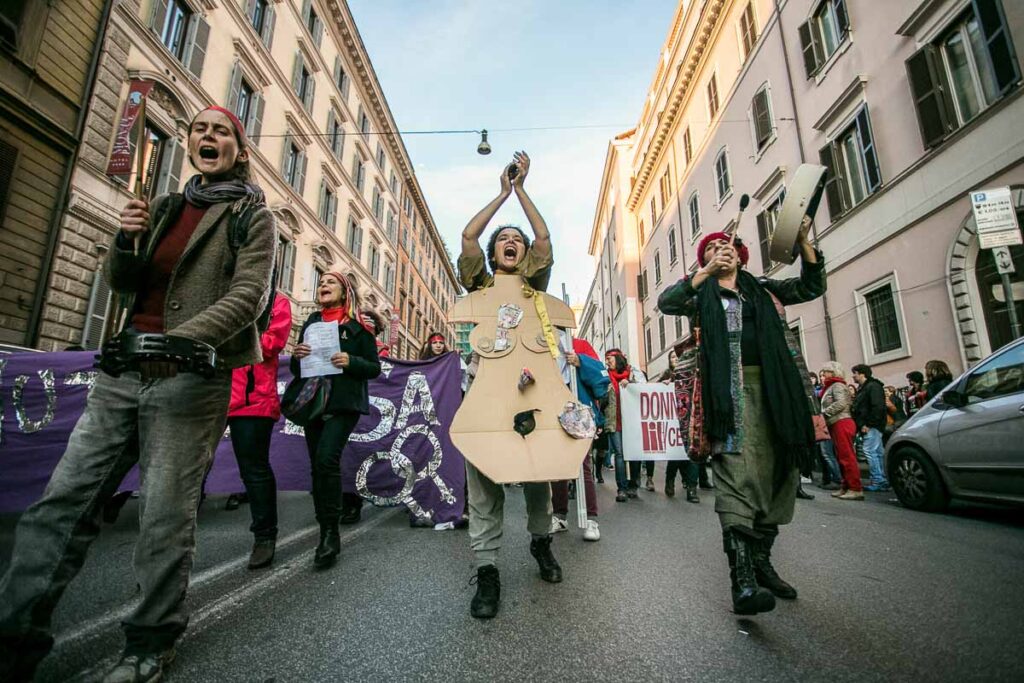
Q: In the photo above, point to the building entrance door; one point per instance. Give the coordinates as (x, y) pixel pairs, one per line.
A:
(990, 289)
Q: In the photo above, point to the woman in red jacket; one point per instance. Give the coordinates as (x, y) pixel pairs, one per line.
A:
(254, 410)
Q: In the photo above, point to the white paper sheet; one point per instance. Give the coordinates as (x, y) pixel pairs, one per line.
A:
(324, 342)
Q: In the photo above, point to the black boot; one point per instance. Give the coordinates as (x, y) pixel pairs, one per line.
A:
(262, 553)
(540, 548)
(747, 596)
(330, 546)
(763, 569)
(691, 495)
(488, 592)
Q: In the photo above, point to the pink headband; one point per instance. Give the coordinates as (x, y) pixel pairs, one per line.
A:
(239, 128)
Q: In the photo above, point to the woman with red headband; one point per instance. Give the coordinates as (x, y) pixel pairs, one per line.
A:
(757, 402)
(178, 272)
(349, 398)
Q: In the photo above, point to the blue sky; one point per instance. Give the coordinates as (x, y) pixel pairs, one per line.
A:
(472, 64)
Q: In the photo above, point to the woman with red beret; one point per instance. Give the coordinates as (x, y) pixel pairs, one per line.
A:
(757, 413)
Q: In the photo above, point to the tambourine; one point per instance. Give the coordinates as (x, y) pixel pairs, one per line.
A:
(127, 350)
(802, 198)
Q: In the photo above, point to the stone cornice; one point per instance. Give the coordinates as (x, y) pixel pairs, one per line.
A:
(680, 89)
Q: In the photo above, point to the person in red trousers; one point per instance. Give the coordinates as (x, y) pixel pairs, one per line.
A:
(836, 403)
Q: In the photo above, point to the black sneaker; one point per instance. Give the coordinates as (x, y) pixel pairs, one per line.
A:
(620, 497)
(691, 496)
(140, 668)
(488, 592)
(632, 493)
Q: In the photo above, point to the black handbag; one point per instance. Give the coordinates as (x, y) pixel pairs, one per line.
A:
(305, 399)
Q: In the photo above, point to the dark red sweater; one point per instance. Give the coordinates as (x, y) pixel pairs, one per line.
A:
(149, 302)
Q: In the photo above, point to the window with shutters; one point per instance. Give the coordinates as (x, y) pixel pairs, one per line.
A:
(852, 166)
(392, 224)
(328, 206)
(647, 340)
(382, 160)
(378, 203)
(687, 146)
(712, 92)
(679, 326)
(880, 312)
(694, 207)
(285, 264)
(364, 122)
(654, 213)
(657, 267)
(244, 104)
(341, 78)
(643, 285)
(642, 233)
(748, 31)
(355, 238)
(823, 34)
(358, 171)
(261, 16)
(174, 28)
(163, 160)
(293, 167)
(661, 332)
(374, 261)
(303, 82)
(312, 22)
(673, 249)
(766, 222)
(723, 182)
(393, 183)
(665, 187)
(336, 132)
(969, 67)
(761, 117)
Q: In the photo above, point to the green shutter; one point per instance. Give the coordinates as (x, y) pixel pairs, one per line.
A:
(930, 91)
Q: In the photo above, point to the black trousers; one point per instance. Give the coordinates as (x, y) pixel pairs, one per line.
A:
(250, 437)
(686, 469)
(325, 440)
(636, 467)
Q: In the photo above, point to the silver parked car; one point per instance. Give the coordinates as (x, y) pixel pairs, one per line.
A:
(968, 442)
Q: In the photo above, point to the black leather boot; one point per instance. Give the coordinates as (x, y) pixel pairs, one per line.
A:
(330, 546)
(262, 553)
(488, 592)
(550, 571)
(764, 572)
(747, 597)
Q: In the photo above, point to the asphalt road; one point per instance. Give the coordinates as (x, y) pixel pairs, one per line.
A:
(885, 594)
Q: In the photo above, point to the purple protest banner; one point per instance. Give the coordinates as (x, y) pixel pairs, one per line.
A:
(399, 454)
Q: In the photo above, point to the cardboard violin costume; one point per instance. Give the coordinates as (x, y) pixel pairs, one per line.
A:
(509, 337)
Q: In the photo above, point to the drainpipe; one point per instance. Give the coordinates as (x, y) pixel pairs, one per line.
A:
(63, 196)
(803, 160)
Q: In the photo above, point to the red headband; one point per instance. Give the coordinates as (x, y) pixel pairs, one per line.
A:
(239, 128)
(435, 337)
(741, 249)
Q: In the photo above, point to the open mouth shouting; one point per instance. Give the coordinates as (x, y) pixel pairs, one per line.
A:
(208, 152)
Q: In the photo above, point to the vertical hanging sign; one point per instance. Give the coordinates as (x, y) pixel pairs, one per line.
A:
(121, 155)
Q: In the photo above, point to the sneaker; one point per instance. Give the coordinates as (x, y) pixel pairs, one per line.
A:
(558, 524)
(650, 484)
(591, 533)
(691, 496)
(806, 480)
(140, 668)
(632, 493)
(620, 497)
(852, 495)
(421, 523)
(839, 493)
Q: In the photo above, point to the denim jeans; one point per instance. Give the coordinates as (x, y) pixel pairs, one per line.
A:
(828, 455)
(874, 452)
(250, 437)
(615, 448)
(171, 428)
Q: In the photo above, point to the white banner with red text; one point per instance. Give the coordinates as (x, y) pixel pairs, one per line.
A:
(650, 423)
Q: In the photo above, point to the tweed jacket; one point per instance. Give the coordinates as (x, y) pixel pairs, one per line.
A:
(207, 300)
(836, 403)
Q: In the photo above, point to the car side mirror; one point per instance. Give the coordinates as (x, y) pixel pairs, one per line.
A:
(954, 398)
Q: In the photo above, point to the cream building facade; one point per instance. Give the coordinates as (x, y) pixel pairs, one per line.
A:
(911, 105)
(324, 148)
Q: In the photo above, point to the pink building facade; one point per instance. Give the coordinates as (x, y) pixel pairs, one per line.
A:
(911, 105)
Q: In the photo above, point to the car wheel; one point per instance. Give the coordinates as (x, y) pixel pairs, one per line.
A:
(917, 482)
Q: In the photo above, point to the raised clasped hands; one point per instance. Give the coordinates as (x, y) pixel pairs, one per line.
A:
(522, 160)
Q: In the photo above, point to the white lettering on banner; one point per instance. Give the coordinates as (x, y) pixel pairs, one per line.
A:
(650, 423)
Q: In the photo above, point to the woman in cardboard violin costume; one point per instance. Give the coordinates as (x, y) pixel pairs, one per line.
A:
(184, 274)
(756, 402)
(509, 250)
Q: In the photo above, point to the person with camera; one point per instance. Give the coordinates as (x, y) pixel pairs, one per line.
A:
(181, 275)
(756, 402)
(509, 250)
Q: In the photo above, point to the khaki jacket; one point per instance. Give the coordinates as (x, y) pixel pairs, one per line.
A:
(206, 302)
(836, 403)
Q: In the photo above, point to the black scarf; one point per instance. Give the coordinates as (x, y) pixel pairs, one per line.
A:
(204, 196)
(787, 401)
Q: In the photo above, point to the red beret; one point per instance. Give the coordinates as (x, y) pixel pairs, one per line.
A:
(741, 249)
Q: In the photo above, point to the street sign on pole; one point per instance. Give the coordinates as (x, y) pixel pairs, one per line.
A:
(1004, 261)
(995, 217)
